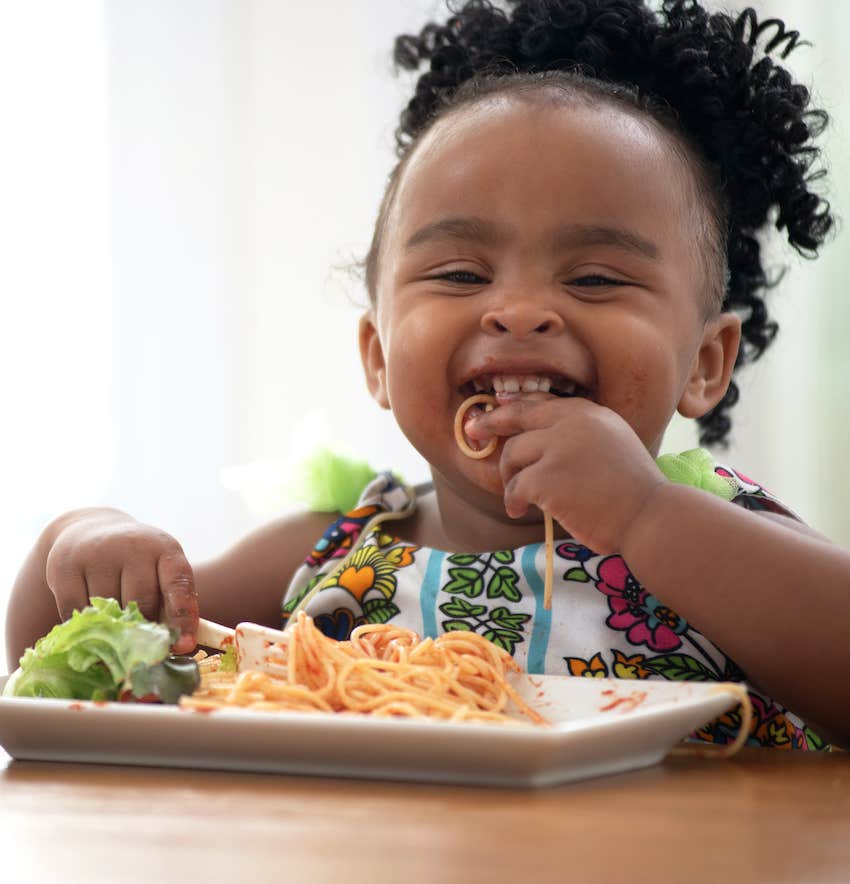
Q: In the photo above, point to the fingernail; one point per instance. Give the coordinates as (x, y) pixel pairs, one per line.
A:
(186, 642)
(471, 424)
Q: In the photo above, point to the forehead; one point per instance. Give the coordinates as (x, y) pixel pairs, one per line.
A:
(535, 165)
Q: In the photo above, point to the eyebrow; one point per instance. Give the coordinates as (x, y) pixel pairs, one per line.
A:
(595, 235)
(480, 230)
(470, 229)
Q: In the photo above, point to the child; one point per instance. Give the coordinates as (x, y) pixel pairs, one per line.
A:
(581, 243)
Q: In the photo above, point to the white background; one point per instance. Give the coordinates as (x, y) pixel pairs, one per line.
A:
(185, 188)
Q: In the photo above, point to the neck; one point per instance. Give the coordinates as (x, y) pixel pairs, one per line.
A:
(457, 521)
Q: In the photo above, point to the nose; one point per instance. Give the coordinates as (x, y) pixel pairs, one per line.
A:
(521, 318)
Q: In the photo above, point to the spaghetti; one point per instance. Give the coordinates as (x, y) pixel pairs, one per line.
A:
(744, 727)
(489, 403)
(381, 670)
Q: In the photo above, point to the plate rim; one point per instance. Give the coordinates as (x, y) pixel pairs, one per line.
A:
(700, 693)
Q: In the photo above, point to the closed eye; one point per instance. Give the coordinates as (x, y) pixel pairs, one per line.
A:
(461, 277)
(592, 280)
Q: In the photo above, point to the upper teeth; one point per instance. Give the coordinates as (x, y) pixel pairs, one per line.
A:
(526, 383)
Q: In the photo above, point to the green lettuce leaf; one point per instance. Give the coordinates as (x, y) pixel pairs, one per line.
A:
(166, 681)
(229, 660)
(90, 656)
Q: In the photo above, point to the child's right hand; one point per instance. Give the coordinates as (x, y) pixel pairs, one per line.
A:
(108, 553)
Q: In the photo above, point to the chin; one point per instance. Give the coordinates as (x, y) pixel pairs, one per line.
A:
(477, 483)
(484, 475)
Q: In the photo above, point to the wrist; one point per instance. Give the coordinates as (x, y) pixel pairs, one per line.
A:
(648, 528)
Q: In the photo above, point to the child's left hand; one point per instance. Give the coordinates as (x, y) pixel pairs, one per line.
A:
(576, 460)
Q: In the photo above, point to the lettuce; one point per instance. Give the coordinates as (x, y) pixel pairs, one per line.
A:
(93, 655)
(229, 660)
(163, 682)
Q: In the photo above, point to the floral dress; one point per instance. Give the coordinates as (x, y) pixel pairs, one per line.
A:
(602, 621)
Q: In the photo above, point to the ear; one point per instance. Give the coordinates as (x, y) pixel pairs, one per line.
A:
(712, 367)
(372, 356)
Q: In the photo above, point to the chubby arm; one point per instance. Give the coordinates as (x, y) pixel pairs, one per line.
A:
(99, 552)
(106, 552)
(776, 598)
(773, 595)
(248, 581)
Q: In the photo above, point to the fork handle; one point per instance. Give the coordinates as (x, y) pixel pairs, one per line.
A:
(214, 635)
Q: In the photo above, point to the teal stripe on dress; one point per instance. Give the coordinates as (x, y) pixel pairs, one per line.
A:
(536, 662)
(428, 593)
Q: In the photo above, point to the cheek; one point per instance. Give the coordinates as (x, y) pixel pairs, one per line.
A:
(417, 389)
(414, 381)
(420, 342)
(634, 376)
(641, 383)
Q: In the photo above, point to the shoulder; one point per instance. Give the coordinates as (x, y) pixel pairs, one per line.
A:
(753, 496)
(385, 497)
(699, 469)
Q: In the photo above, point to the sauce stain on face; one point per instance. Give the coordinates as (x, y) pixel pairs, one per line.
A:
(635, 385)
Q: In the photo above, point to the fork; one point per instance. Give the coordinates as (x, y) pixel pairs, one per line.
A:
(257, 647)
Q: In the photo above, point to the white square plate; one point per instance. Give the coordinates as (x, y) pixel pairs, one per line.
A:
(599, 726)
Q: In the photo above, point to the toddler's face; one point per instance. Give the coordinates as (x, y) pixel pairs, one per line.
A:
(537, 247)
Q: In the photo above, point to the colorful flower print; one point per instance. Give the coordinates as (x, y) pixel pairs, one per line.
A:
(644, 619)
(662, 627)
(574, 551)
(731, 474)
(369, 577)
(337, 625)
(752, 496)
(367, 569)
(593, 668)
(630, 667)
(400, 556)
(291, 604)
(631, 634)
(770, 728)
(340, 536)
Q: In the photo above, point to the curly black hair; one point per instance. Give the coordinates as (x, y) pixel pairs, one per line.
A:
(708, 77)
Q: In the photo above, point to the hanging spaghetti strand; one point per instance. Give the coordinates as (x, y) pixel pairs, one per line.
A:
(489, 403)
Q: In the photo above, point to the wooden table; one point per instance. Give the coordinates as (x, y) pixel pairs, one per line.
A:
(764, 816)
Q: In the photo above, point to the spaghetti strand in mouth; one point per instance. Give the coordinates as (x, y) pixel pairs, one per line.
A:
(490, 402)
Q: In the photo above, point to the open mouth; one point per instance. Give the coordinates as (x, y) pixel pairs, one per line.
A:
(509, 386)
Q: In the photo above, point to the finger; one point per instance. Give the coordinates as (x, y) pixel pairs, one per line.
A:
(140, 584)
(517, 496)
(529, 488)
(509, 419)
(485, 447)
(521, 452)
(103, 580)
(70, 592)
(66, 581)
(179, 598)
